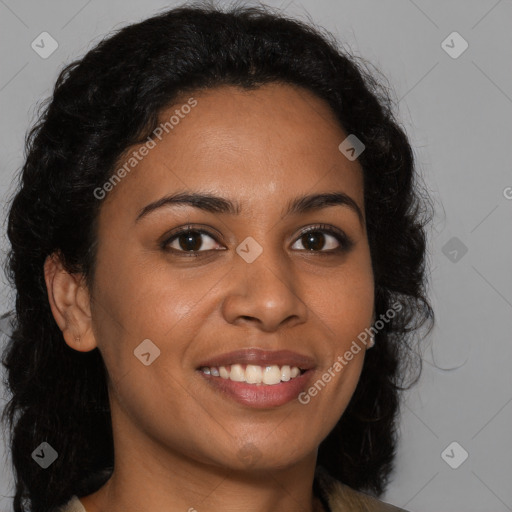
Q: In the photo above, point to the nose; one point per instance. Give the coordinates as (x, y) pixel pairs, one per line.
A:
(265, 293)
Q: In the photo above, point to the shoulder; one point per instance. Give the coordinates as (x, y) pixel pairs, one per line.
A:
(342, 498)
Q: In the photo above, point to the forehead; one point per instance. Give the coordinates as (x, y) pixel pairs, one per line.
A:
(272, 143)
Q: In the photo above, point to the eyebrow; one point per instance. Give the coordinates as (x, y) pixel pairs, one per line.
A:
(216, 204)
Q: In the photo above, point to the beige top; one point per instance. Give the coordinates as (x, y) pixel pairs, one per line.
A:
(73, 505)
(340, 498)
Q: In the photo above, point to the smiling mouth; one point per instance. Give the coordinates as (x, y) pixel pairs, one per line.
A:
(268, 375)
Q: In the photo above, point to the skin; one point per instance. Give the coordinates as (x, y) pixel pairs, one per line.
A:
(177, 441)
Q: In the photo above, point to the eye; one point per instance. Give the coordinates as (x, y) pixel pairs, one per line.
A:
(316, 239)
(190, 241)
(195, 242)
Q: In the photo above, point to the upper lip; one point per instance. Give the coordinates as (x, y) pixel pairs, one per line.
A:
(260, 357)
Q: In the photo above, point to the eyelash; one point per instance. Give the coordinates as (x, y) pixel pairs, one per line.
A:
(345, 242)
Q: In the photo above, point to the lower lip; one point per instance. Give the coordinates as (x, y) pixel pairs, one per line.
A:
(260, 396)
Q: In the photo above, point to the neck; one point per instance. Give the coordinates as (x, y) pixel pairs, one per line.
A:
(142, 482)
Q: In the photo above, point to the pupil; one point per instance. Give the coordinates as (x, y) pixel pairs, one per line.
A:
(189, 244)
(312, 237)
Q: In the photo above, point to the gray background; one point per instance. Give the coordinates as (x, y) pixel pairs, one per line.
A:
(458, 114)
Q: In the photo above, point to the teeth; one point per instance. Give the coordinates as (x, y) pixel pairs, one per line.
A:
(253, 374)
(237, 373)
(286, 373)
(272, 375)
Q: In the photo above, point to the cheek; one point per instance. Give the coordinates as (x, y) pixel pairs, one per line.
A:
(135, 291)
(135, 301)
(344, 302)
(344, 307)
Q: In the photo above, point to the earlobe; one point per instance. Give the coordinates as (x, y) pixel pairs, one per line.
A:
(70, 305)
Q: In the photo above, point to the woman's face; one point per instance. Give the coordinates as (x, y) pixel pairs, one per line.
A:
(245, 279)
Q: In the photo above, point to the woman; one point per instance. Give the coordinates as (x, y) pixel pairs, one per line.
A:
(217, 219)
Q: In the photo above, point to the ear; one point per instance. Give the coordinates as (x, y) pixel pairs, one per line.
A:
(70, 304)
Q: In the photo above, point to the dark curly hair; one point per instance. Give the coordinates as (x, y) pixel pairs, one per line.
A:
(111, 99)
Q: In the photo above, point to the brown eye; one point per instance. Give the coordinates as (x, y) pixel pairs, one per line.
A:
(191, 240)
(324, 239)
(313, 241)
